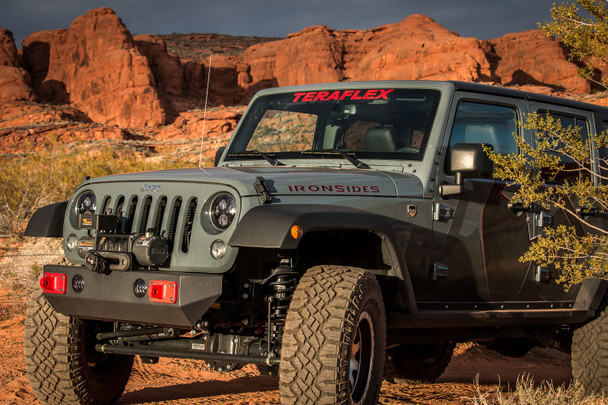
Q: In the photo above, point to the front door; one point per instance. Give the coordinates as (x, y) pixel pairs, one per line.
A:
(478, 238)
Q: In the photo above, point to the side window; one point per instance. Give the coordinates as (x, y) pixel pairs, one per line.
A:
(485, 123)
(571, 167)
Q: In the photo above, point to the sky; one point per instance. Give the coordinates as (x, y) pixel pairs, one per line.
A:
(483, 19)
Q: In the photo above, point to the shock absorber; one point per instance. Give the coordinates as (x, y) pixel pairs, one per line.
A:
(283, 282)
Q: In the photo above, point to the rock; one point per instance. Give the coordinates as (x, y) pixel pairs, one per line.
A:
(8, 51)
(96, 66)
(532, 58)
(15, 83)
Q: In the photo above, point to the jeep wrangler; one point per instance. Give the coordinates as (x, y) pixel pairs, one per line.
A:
(343, 226)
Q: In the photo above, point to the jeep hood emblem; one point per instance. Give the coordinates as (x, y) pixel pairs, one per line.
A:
(150, 187)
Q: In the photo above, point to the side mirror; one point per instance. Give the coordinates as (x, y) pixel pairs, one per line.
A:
(466, 160)
(218, 155)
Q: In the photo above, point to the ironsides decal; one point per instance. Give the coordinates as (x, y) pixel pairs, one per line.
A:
(371, 94)
(324, 188)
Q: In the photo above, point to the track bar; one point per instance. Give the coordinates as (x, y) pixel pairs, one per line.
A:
(151, 352)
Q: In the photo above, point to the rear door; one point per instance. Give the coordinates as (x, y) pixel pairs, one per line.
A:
(544, 278)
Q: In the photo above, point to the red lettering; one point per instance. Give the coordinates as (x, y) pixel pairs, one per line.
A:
(356, 189)
(297, 97)
(333, 96)
(300, 188)
(313, 188)
(375, 189)
(370, 94)
(309, 96)
(340, 189)
(384, 94)
(326, 188)
(356, 95)
(345, 94)
(366, 189)
(321, 96)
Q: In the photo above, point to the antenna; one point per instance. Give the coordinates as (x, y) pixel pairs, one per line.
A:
(200, 156)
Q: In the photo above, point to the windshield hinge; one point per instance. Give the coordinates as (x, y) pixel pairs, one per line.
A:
(262, 189)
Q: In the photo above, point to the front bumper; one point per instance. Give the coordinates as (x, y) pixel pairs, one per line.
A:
(111, 297)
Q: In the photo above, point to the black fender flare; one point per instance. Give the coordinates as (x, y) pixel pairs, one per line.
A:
(47, 221)
(269, 226)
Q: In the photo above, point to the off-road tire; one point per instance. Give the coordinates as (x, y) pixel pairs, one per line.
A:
(62, 366)
(334, 339)
(589, 357)
(422, 363)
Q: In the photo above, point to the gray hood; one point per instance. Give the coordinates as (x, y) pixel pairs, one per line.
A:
(284, 180)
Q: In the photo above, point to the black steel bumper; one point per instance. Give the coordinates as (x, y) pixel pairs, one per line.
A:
(111, 297)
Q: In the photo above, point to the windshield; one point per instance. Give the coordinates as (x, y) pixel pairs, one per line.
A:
(366, 123)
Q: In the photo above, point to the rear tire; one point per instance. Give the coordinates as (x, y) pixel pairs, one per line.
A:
(423, 362)
(61, 362)
(334, 339)
(590, 352)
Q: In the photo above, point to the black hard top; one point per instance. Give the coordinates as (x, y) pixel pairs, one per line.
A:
(526, 95)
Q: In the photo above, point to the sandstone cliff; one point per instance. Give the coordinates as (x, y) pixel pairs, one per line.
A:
(97, 74)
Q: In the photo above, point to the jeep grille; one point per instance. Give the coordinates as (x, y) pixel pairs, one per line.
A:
(170, 218)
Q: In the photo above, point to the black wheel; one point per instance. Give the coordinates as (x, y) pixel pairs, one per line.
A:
(421, 362)
(334, 339)
(61, 362)
(589, 357)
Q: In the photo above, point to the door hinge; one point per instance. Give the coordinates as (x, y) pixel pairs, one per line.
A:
(442, 212)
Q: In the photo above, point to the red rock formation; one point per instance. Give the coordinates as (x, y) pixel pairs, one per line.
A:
(15, 83)
(413, 49)
(531, 57)
(8, 51)
(96, 66)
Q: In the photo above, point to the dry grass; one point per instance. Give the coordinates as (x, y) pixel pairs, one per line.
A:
(528, 392)
(32, 180)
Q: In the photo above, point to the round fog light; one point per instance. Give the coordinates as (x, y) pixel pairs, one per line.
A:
(218, 249)
(78, 283)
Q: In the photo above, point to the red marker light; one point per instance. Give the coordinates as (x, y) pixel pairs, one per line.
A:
(163, 291)
(53, 283)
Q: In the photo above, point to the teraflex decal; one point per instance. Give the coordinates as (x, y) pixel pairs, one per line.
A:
(371, 94)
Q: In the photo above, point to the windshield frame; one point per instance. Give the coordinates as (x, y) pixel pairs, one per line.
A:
(301, 99)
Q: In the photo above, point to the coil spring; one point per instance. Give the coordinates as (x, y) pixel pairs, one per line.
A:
(283, 286)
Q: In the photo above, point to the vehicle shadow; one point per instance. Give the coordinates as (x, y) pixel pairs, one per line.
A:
(204, 389)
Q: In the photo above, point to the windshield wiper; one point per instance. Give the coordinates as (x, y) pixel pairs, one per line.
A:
(350, 156)
(257, 153)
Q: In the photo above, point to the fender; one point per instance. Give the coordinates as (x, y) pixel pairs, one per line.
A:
(268, 226)
(47, 221)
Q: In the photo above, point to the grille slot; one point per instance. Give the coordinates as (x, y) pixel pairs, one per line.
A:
(128, 223)
(160, 214)
(145, 214)
(188, 225)
(177, 205)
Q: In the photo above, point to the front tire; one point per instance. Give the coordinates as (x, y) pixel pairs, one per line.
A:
(61, 362)
(334, 339)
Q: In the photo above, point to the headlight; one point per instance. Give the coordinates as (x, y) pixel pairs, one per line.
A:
(86, 203)
(222, 211)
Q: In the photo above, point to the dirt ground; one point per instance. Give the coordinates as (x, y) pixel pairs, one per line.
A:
(175, 382)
